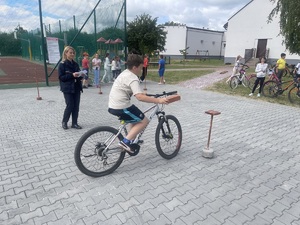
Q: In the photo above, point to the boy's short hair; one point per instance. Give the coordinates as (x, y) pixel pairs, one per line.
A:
(134, 60)
(283, 54)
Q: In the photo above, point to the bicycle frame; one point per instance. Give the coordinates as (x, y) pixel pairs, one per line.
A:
(156, 111)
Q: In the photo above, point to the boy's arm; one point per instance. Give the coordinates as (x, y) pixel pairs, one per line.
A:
(144, 98)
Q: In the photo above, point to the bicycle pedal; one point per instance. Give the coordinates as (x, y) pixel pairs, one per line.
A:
(135, 148)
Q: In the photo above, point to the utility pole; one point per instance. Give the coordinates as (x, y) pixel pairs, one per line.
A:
(43, 43)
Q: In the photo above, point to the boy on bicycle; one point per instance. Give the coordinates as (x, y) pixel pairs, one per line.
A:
(126, 85)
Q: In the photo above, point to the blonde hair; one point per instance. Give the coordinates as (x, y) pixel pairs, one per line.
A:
(64, 54)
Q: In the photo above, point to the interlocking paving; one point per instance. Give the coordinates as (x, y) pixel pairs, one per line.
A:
(253, 179)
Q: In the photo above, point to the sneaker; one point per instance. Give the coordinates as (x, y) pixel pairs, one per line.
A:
(126, 147)
(159, 83)
(251, 94)
(258, 95)
(164, 81)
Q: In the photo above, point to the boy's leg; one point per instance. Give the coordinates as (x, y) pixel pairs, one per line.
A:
(137, 128)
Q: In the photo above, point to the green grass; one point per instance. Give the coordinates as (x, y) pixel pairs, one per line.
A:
(190, 63)
(175, 77)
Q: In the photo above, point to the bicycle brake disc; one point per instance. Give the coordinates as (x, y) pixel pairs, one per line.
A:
(135, 148)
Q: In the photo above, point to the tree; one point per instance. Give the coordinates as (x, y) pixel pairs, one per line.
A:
(288, 11)
(172, 23)
(145, 36)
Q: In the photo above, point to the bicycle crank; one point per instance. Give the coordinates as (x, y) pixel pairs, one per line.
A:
(135, 148)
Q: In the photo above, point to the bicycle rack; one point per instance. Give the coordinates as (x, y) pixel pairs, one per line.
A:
(208, 152)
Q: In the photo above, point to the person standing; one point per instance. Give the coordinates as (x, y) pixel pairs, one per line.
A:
(118, 66)
(106, 68)
(114, 68)
(85, 67)
(261, 70)
(145, 66)
(71, 86)
(96, 63)
(161, 69)
(280, 67)
(235, 69)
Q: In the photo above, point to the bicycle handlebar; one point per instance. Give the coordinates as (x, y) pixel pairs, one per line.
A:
(163, 94)
(244, 65)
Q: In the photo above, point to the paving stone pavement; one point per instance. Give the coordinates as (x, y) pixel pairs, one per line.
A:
(253, 179)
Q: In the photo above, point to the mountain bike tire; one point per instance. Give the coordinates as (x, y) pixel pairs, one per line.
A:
(270, 89)
(294, 95)
(168, 137)
(88, 154)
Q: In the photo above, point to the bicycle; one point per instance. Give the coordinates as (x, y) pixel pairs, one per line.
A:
(97, 152)
(273, 88)
(294, 92)
(240, 78)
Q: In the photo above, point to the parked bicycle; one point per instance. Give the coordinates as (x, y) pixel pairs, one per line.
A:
(240, 78)
(274, 88)
(97, 152)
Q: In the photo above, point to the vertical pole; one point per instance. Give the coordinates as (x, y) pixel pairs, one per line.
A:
(95, 29)
(74, 22)
(125, 31)
(209, 133)
(43, 43)
(59, 23)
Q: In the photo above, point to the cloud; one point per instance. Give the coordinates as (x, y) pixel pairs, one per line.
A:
(212, 14)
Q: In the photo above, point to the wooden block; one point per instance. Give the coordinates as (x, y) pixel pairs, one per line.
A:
(173, 98)
(212, 112)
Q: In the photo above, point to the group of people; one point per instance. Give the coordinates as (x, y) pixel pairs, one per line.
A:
(126, 85)
(261, 70)
(111, 69)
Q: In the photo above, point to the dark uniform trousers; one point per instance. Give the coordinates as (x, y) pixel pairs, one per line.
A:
(72, 106)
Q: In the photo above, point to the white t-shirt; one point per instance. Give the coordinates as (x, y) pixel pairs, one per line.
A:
(126, 85)
(107, 63)
(298, 68)
(113, 65)
(97, 62)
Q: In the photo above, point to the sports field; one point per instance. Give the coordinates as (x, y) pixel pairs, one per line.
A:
(15, 70)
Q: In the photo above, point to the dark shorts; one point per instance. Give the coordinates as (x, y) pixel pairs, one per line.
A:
(161, 72)
(129, 115)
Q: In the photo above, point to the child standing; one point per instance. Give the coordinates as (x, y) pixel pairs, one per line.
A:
(261, 69)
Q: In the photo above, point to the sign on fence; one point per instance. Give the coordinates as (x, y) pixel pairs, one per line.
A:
(53, 49)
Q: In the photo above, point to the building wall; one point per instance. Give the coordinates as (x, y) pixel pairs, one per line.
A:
(176, 39)
(248, 26)
(199, 40)
(180, 37)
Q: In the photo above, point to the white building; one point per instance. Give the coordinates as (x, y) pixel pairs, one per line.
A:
(201, 42)
(250, 35)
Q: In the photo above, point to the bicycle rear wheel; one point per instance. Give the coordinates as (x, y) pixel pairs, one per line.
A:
(245, 81)
(252, 79)
(90, 155)
(168, 137)
(294, 96)
(270, 89)
(234, 82)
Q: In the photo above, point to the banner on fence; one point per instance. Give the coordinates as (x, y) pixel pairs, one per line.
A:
(53, 50)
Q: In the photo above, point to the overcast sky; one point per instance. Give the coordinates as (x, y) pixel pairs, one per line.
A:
(212, 14)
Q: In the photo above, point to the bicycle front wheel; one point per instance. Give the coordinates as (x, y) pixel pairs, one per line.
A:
(294, 96)
(97, 152)
(234, 82)
(270, 89)
(168, 137)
